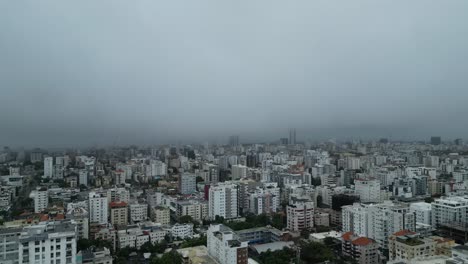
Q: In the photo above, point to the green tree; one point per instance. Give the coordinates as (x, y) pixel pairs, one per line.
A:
(315, 252)
(171, 257)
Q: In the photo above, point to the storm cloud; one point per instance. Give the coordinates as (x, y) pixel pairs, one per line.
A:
(143, 72)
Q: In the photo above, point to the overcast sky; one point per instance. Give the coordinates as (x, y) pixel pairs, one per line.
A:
(105, 72)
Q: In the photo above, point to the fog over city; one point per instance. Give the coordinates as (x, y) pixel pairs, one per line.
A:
(144, 72)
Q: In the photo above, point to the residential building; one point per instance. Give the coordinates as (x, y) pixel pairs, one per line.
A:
(362, 249)
(9, 245)
(118, 213)
(95, 255)
(198, 210)
(187, 183)
(450, 211)
(138, 212)
(80, 217)
(238, 172)
(41, 199)
(407, 245)
(182, 231)
(368, 190)
(223, 201)
(300, 214)
(160, 215)
(48, 242)
(48, 167)
(423, 212)
(225, 247)
(98, 208)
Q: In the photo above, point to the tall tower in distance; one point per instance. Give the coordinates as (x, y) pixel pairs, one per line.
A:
(292, 136)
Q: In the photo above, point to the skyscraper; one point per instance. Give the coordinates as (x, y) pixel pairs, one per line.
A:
(292, 136)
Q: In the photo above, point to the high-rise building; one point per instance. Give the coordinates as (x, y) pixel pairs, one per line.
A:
(300, 214)
(98, 208)
(423, 212)
(238, 172)
(187, 183)
(225, 247)
(48, 242)
(138, 212)
(436, 140)
(41, 199)
(83, 180)
(377, 221)
(368, 190)
(9, 245)
(292, 136)
(450, 211)
(48, 167)
(118, 213)
(223, 201)
(283, 141)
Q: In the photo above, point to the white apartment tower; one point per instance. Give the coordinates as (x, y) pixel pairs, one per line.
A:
(48, 167)
(224, 246)
(48, 242)
(238, 172)
(98, 208)
(300, 214)
(41, 199)
(223, 201)
(368, 190)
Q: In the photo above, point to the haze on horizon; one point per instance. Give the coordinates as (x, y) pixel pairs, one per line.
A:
(143, 72)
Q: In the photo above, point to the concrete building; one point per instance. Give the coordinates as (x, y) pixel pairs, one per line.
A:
(182, 231)
(238, 172)
(138, 212)
(118, 213)
(368, 190)
(187, 183)
(198, 210)
(83, 177)
(407, 245)
(423, 212)
(9, 245)
(300, 214)
(223, 201)
(48, 242)
(95, 255)
(377, 221)
(48, 167)
(225, 247)
(80, 217)
(362, 249)
(449, 211)
(161, 215)
(41, 199)
(98, 208)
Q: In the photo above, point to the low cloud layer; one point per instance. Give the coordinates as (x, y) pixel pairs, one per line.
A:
(105, 72)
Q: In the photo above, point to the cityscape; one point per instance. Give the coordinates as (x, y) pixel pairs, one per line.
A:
(280, 202)
(234, 132)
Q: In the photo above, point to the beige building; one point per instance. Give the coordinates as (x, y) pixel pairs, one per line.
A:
(407, 245)
(364, 250)
(118, 213)
(198, 210)
(160, 215)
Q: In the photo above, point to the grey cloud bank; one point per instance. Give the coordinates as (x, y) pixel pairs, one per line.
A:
(104, 72)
